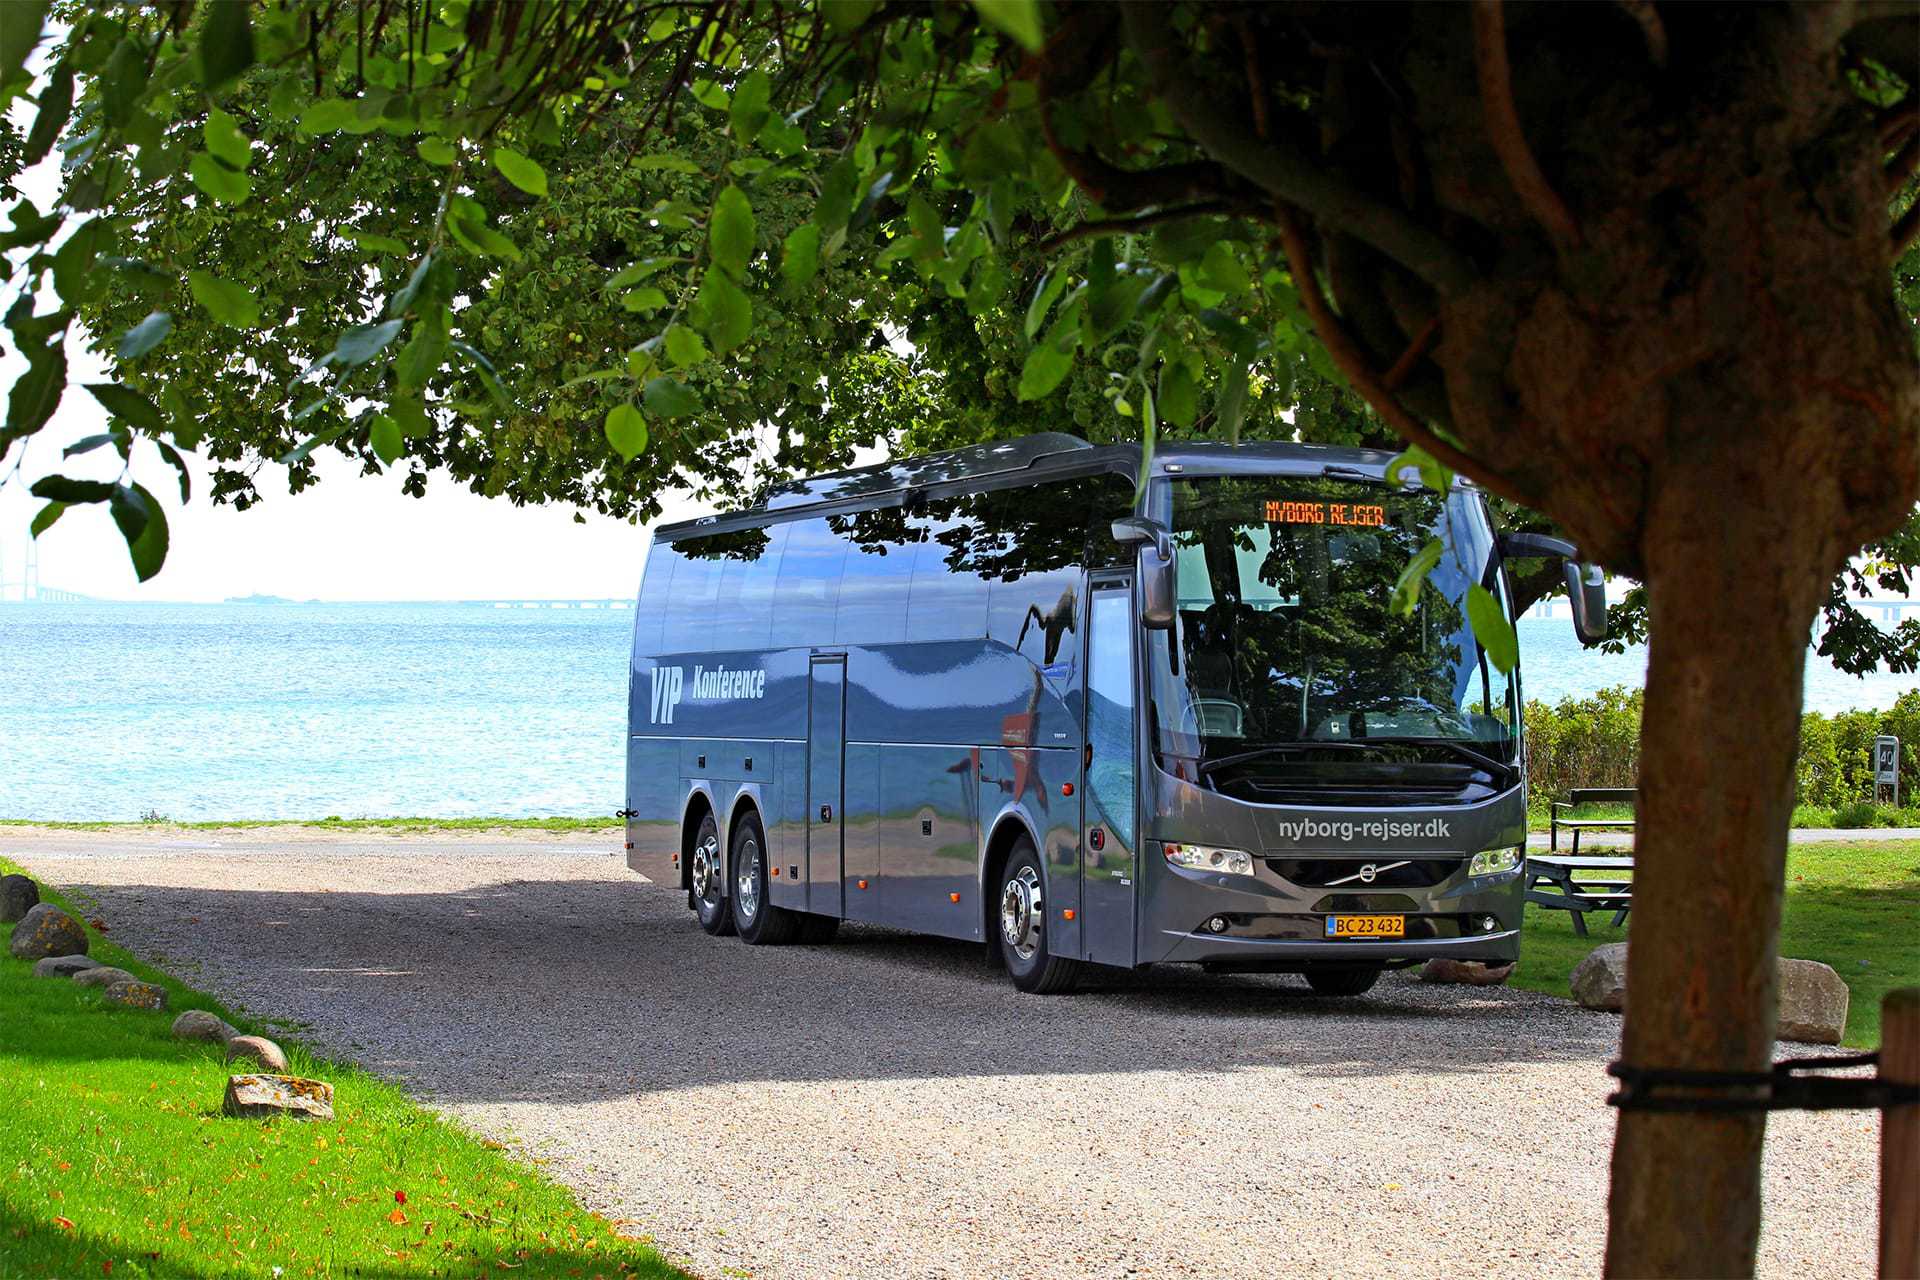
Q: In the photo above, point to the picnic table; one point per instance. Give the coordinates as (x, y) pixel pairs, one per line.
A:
(1550, 883)
(1561, 813)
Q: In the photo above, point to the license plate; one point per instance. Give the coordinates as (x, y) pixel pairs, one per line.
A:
(1366, 926)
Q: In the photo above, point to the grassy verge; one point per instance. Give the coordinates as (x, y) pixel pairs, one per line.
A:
(119, 1163)
(397, 826)
(1846, 817)
(1853, 906)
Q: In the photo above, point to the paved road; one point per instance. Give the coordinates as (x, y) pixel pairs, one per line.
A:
(889, 1106)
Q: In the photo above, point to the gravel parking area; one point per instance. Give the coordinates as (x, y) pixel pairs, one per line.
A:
(888, 1105)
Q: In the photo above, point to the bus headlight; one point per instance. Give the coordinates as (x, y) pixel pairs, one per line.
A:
(1201, 857)
(1491, 862)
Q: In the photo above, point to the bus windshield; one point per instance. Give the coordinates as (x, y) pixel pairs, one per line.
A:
(1285, 653)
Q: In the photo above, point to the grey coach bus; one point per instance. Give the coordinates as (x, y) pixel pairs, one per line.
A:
(1011, 694)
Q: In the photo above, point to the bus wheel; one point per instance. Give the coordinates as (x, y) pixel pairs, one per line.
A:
(1023, 927)
(759, 921)
(818, 930)
(706, 896)
(1343, 980)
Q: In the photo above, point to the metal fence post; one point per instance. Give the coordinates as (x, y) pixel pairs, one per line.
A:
(1900, 1139)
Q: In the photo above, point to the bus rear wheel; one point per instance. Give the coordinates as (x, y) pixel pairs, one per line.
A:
(1343, 980)
(1023, 927)
(706, 895)
(760, 923)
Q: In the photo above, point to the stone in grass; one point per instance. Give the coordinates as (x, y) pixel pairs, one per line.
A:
(256, 1049)
(198, 1024)
(1471, 973)
(103, 975)
(18, 895)
(137, 995)
(63, 966)
(1600, 980)
(1813, 1003)
(259, 1096)
(46, 930)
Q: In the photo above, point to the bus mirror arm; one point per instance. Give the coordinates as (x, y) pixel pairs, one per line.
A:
(1586, 585)
(1153, 544)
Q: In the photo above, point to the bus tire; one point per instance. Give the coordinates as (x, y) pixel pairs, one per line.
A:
(1343, 979)
(708, 896)
(1022, 936)
(760, 923)
(818, 930)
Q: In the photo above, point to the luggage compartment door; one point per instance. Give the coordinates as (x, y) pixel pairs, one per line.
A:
(826, 799)
(1110, 785)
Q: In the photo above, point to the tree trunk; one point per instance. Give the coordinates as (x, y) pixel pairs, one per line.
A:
(1733, 588)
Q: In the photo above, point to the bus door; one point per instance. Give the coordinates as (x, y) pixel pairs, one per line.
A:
(826, 751)
(1109, 786)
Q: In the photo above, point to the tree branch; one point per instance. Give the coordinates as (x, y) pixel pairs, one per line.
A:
(1353, 363)
(1123, 189)
(1655, 31)
(1121, 226)
(1410, 358)
(1503, 125)
(1279, 167)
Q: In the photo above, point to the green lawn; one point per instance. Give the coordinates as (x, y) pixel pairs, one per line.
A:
(1853, 906)
(1852, 816)
(398, 826)
(117, 1162)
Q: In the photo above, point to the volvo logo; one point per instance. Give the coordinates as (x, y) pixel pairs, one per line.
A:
(1367, 873)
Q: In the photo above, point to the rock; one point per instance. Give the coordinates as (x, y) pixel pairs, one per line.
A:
(138, 995)
(272, 1095)
(63, 966)
(46, 930)
(257, 1049)
(1470, 972)
(1600, 980)
(102, 975)
(198, 1024)
(18, 895)
(1813, 1003)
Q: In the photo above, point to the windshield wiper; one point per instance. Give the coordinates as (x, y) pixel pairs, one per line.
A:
(1278, 749)
(1460, 749)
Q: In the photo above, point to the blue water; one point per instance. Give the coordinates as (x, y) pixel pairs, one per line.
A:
(300, 711)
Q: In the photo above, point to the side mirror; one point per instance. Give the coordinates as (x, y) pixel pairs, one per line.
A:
(1587, 594)
(1153, 557)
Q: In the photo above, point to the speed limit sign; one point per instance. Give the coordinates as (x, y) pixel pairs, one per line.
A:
(1886, 765)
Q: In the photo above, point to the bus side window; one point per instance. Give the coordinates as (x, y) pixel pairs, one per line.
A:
(696, 584)
(874, 576)
(808, 585)
(949, 597)
(650, 614)
(749, 571)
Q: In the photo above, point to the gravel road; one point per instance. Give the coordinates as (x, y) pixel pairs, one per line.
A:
(889, 1106)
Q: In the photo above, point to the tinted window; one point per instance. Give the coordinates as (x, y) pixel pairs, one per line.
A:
(808, 585)
(949, 597)
(750, 570)
(875, 575)
(649, 615)
(1032, 545)
(690, 602)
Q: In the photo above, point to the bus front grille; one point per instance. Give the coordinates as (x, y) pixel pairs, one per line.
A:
(1351, 873)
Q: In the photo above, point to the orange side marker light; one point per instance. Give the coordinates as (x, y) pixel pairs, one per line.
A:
(1066, 788)
(776, 873)
(1068, 913)
(862, 883)
(954, 896)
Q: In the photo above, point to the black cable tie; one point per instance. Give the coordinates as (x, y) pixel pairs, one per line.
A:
(1791, 1085)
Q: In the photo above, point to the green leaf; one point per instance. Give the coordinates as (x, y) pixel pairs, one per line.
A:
(670, 398)
(675, 164)
(87, 444)
(56, 112)
(467, 222)
(730, 231)
(227, 302)
(1220, 269)
(363, 342)
(144, 337)
(1406, 588)
(626, 430)
(121, 82)
(36, 393)
(520, 171)
(837, 192)
(1018, 18)
(20, 33)
(421, 358)
(848, 15)
(70, 491)
(411, 416)
(73, 274)
(684, 346)
(1044, 295)
(800, 256)
(218, 181)
(645, 298)
(634, 272)
(1179, 396)
(329, 115)
(1433, 473)
(722, 311)
(385, 438)
(1492, 628)
(226, 44)
(127, 404)
(748, 114)
(48, 514)
(1230, 409)
(1046, 366)
(373, 241)
(403, 297)
(179, 464)
(143, 524)
(437, 151)
(225, 141)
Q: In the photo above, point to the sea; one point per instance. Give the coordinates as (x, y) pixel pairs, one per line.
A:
(200, 712)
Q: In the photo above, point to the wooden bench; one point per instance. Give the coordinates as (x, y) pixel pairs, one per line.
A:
(1550, 883)
(1562, 811)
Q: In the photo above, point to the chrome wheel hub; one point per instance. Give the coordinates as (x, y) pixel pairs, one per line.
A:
(746, 902)
(706, 869)
(1022, 913)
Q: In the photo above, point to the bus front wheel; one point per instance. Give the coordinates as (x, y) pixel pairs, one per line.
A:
(1023, 926)
(706, 894)
(1343, 980)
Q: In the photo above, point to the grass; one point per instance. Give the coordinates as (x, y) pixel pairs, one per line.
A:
(1847, 816)
(116, 1161)
(1853, 906)
(397, 826)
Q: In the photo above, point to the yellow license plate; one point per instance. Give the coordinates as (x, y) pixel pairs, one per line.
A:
(1366, 926)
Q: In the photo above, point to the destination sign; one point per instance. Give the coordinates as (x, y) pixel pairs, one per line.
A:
(1342, 513)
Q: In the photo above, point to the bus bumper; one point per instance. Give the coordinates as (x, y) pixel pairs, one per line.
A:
(1498, 948)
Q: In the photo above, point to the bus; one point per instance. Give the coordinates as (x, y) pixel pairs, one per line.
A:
(1023, 694)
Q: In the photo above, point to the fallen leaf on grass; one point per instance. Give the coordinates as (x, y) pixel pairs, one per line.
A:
(398, 1217)
(65, 1224)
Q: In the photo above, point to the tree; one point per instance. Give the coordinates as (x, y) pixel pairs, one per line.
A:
(1627, 265)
